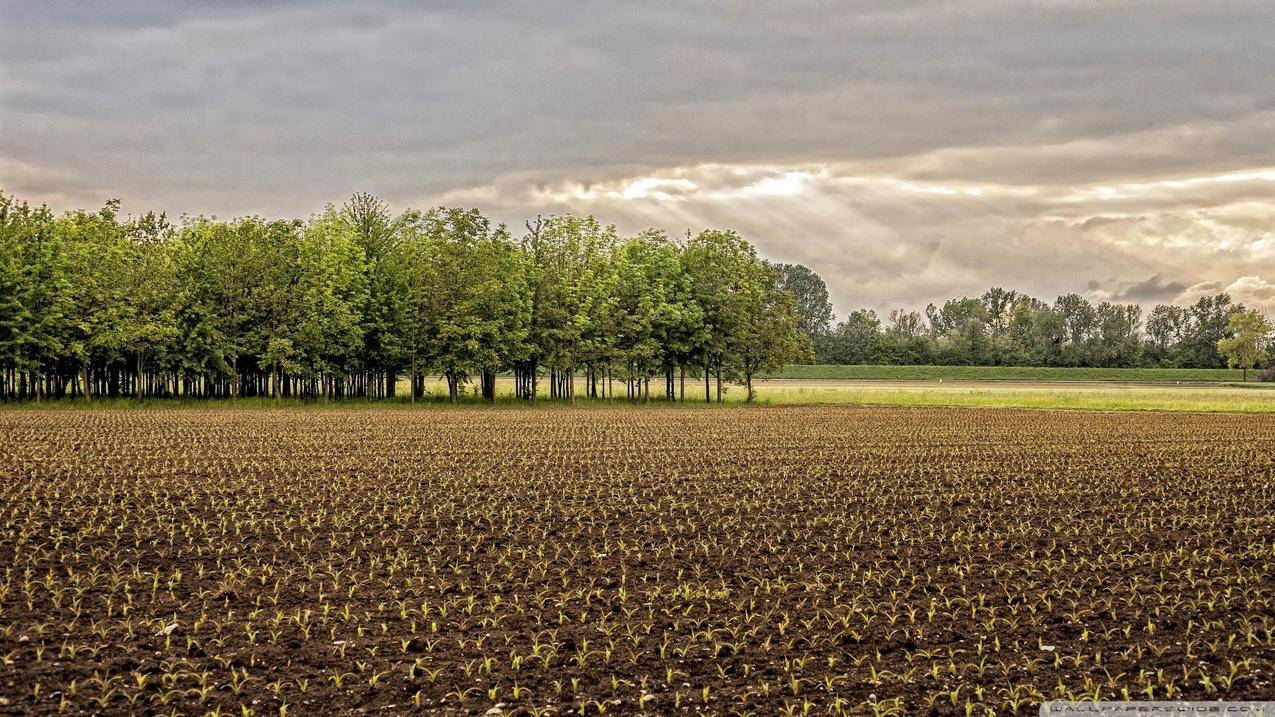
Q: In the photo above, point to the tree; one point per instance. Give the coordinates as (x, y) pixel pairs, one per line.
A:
(1079, 324)
(769, 333)
(339, 305)
(471, 303)
(1208, 318)
(147, 279)
(1246, 346)
(905, 340)
(720, 265)
(811, 294)
(1166, 328)
(857, 340)
(1118, 342)
(1000, 305)
(568, 277)
(19, 224)
(651, 310)
(324, 321)
(959, 330)
(384, 315)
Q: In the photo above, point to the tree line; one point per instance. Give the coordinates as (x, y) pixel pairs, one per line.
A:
(350, 301)
(1010, 328)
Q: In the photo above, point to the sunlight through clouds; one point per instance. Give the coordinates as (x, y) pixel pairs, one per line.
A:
(905, 151)
(881, 240)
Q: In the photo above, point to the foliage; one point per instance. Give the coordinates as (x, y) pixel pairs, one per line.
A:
(346, 302)
(811, 294)
(1009, 328)
(1246, 346)
(1062, 374)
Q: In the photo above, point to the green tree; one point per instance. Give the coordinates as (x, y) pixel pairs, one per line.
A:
(1207, 324)
(385, 314)
(856, 340)
(1167, 327)
(769, 333)
(324, 329)
(472, 298)
(569, 280)
(811, 293)
(721, 266)
(45, 291)
(654, 315)
(1118, 337)
(1246, 346)
(18, 225)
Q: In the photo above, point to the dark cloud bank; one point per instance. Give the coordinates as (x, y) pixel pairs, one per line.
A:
(906, 150)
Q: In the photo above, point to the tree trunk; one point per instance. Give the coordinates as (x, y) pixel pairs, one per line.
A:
(413, 379)
(748, 381)
(682, 390)
(708, 382)
(719, 382)
(489, 385)
(86, 387)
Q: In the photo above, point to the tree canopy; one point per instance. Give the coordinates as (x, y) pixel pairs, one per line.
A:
(1009, 328)
(1246, 346)
(351, 300)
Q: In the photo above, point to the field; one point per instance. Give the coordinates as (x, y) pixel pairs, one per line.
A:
(1090, 395)
(781, 560)
(1011, 373)
(1133, 396)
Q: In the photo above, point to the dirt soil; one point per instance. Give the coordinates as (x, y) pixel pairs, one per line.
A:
(793, 560)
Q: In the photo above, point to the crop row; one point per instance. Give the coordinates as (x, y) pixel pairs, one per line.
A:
(795, 560)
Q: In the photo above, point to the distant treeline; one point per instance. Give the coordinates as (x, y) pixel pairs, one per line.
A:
(1009, 328)
(350, 301)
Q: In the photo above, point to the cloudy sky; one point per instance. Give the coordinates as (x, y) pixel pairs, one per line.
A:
(906, 150)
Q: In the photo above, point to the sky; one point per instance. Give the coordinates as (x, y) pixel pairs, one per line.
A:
(908, 151)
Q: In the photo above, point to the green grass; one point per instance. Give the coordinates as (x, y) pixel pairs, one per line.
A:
(1115, 397)
(1011, 373)
(1104, 398)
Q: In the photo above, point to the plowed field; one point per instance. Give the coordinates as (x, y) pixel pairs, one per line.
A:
(789, 560)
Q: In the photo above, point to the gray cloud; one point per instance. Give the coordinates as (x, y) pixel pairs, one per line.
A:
(1153, 289)
(1111, 140)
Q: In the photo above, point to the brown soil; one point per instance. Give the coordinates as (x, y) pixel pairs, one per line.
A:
(716, 561)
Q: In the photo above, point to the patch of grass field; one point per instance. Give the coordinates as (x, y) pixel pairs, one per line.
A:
(1010, 373)
(1106, 398)
(1238, 398)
